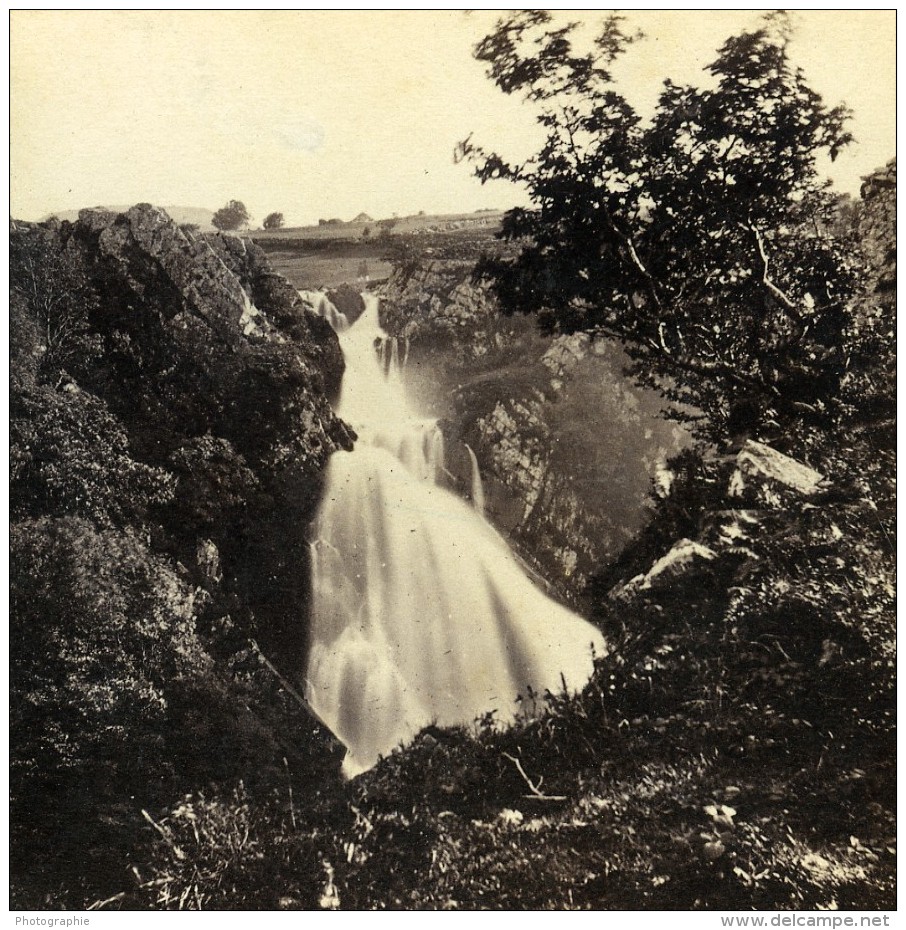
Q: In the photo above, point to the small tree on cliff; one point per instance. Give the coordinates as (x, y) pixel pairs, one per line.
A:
(273, 221)
(53, 283)
(698, 238)
(232, 216)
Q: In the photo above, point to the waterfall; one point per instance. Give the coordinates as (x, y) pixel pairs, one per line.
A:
(323, 307)
(477, 488)
(420, 612)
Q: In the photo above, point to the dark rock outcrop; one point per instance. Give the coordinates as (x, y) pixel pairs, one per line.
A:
(170, 423)
(211, 359)
(348, 300)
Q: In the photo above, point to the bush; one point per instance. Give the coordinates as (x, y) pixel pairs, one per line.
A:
(72, 456)
(102, 631)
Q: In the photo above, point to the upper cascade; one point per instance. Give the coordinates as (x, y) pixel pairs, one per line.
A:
(421, 614)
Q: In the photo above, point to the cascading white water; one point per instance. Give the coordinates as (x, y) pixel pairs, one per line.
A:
(323, 307)
(420, 612)
(477, 486)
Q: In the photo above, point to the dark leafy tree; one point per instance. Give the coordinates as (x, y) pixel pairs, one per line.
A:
(232, 216)
(273, 221)
(50, 280)
(699, 238)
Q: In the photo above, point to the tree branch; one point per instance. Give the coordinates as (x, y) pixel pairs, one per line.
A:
(535, 789)
(785, 301)
(292, 692)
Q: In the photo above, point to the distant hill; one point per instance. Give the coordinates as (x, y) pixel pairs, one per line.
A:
(200, 216)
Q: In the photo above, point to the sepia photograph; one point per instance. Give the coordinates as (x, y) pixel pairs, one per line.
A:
(452, 462)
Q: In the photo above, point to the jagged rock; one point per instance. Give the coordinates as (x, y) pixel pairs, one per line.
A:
(878, 181)
(686, 558)
(766, 475)
(347, 300)
(545, 482)
(565, 353)
(437, 302)
(221, 378)
(207, 557)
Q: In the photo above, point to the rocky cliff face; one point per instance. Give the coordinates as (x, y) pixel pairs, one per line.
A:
(436, 306)
(170, 421)
(223, 378)
(567, 447)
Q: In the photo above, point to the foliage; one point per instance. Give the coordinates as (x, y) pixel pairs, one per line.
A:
(735, 749)
(232, 215)
(102, 631)
(51, 280)
(229, 852)
(71, 456)
(273, 221)
(697, 238)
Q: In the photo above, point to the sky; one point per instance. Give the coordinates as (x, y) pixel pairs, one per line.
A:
(329, 114)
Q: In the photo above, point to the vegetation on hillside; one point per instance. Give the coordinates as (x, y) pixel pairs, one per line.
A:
(161, 466)
(734, 750)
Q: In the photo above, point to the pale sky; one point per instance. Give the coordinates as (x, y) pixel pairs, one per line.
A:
(328, 114)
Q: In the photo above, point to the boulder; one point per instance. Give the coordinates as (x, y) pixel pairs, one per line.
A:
(686, 558)
(767, 476)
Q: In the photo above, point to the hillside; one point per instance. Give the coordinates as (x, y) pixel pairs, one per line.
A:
(417, 224)
(363, 251)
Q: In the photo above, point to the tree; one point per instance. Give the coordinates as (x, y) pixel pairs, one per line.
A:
(51, 280)
(232, 216)
(273, 221)
(699, 239)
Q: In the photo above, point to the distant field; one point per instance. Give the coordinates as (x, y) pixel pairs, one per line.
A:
(450, 222)
(313, 270)
(327, 256)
